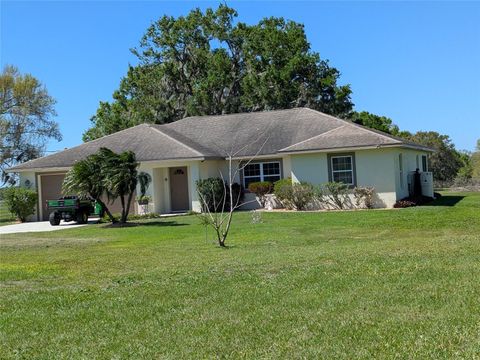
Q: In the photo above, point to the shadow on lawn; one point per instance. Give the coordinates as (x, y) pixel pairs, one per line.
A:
(149, 223)
(446, 200)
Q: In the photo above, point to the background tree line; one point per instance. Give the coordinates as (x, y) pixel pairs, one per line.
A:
(207, 63)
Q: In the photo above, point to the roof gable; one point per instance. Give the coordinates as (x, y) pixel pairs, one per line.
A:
(239, 135)
(146, 143)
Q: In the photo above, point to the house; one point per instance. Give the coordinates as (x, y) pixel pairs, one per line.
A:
(300, 143)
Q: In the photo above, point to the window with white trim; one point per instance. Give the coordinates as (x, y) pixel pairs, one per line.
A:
(424, 163)
(400, 169)
(342, 169)
(261, 171)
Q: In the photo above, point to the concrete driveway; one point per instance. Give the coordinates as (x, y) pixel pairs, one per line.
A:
(39, 226)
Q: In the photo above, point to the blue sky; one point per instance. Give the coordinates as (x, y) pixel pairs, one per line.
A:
(416, 62)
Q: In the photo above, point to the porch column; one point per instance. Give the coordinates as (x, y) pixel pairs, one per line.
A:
(194, 175)
(141, 209)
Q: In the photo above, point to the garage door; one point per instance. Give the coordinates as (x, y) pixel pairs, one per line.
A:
(51, 189)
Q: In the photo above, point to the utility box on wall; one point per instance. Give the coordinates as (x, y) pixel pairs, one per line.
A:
(426, 178)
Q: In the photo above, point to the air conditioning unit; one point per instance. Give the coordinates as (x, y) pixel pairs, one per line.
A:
(426, 178)
(426, 181)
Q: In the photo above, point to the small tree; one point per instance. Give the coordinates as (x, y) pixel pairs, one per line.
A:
(261, 189)
(20, 202)
(221, 220)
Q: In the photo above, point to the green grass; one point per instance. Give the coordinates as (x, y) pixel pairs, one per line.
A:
(6, 217)
(382, 283)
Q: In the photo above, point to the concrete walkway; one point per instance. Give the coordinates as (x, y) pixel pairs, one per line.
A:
(38, 226)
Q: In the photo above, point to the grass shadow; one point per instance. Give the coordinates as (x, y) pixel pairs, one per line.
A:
(446, 200)
(149, 223)
(162, 223)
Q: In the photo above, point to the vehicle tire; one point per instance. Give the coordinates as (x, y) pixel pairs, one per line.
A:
(54, 219)
(82, 217)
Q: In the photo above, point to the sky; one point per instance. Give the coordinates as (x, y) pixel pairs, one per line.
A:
(415, 62)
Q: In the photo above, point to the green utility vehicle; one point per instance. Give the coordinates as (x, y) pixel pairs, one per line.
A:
(71, 208)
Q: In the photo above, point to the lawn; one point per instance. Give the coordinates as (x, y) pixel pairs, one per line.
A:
(6, 217)
(383, 283)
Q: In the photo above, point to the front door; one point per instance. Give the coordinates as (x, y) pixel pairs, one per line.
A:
(179, 188)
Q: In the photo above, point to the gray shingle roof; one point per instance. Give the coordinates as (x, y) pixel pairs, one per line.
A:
(147, 143)
(246, 134)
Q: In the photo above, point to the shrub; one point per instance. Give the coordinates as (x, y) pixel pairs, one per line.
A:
(20, 202)
(261, 189)
(143, 199)
(365, 196)
(412, 201)
(404, 204)
(212, 191)
(238, 194)
(277, 186)
(294, 195)
(334, 194)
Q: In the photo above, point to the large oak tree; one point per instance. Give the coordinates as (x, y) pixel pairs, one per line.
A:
(205, 63)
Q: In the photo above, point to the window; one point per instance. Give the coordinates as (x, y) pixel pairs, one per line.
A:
(342, 169)
(424, 163)
(400, 169)
(266, 171)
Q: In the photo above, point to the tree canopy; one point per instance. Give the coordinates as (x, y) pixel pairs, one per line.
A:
(26, 119)
(373, 121)
(205, 63)
(446, 161)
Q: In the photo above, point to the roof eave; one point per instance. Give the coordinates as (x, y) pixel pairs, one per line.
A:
(350, 148)
(66, 168)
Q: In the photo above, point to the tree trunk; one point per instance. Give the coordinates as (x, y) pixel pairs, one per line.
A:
(127, 210)
(122, 201)
(105, 208)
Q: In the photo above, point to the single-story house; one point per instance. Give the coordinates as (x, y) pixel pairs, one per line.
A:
(300, 143)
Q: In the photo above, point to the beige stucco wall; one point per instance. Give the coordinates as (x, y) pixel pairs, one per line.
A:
(29, 178)
(379, 168)
(373, 168)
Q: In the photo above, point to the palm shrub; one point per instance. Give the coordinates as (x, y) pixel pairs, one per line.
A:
(86, 179)
(107, 174)
(261, 189)
(20, 202)
(121, 178)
